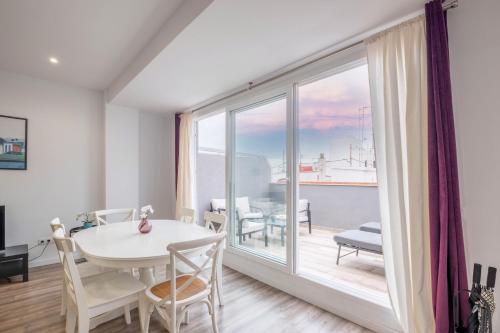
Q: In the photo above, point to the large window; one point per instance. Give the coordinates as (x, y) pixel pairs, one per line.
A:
(211, 164)
(259, 170)
(337, 188)
(302, 180)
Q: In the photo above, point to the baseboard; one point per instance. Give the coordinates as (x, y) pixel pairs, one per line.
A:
(362, 312)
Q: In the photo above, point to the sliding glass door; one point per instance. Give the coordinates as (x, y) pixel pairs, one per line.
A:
(259, 184)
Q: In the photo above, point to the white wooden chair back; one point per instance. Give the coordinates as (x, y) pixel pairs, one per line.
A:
(72, 277)
(216, 222)
(56, 224)
(211, 246)
(187, 215)
(122, 215)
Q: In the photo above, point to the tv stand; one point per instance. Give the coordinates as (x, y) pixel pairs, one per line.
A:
(14, 261)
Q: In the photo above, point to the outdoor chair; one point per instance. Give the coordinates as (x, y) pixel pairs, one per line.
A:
(250, 219)
(359, 241)
(374, 227)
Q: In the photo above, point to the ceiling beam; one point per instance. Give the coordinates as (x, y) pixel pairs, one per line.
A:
(176, 23)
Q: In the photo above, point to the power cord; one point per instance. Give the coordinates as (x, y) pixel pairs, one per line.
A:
(41, 253)
(37, 245)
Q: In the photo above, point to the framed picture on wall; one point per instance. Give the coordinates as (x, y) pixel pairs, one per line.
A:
(13, 143)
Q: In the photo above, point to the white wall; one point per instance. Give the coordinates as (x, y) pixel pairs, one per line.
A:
(122, 157)
(65, 157)
(157, 166)
(80, 158)
(474, 30)
(139, 160)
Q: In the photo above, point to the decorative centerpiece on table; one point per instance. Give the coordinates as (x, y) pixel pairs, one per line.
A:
(145, 226)
(87, 219)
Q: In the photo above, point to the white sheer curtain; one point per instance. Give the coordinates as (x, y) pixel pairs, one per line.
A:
(185, 167)
(398, 82)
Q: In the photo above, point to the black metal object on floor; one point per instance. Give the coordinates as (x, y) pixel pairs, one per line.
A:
(482, 302)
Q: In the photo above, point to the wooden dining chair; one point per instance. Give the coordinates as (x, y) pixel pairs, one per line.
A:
(173, 297)
(187, 215)
(218, 223)
(115, 215)
(95, 295)
(85, 268)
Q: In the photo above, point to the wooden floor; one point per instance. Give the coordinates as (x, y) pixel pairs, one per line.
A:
(318, 254)
(251, 306)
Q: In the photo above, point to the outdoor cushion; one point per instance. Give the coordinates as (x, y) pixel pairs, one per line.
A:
(360, 239)
(243, 205)
(371, 227)
(303, 218)
(302, 215)
(251, 227)
(256, 215)
(218, 204)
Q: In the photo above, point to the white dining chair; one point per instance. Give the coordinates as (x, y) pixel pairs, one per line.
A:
(95, 295)
(173, 297)
(218, 223)
(85, 268)
(115, 215)
(187, 215)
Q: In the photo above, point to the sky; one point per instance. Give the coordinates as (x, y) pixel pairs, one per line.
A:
(329, 120)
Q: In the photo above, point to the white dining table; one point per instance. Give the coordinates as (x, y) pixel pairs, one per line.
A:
(121, 245)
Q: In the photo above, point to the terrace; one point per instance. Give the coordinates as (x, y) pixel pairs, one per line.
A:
(334, 208)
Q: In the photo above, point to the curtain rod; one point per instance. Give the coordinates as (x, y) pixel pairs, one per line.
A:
(448, 4)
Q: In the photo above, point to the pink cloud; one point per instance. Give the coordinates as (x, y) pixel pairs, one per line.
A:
(325, 104)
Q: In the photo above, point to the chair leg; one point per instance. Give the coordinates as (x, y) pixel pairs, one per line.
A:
(338, 254)
(63, 301)
(309, 227)
(219, 284)
(71, 316)
(83, 325)
(145, 311)
(126, 311)
(213, 315)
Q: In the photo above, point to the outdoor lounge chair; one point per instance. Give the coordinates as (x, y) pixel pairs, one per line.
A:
(250, 219)
(374, 227)
(359, 241)
(304, 213)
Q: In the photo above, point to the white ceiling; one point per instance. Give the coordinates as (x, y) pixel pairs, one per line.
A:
(94, 40)
(235, 41)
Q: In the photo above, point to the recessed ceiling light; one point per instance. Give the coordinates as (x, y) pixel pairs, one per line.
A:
(53, 60)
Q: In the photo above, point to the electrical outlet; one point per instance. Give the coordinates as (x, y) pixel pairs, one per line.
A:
(44, 241)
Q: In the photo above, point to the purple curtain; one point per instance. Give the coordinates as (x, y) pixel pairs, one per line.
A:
(177, 126)
(448, 267)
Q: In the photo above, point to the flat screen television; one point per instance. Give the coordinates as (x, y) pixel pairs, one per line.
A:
(2, 228)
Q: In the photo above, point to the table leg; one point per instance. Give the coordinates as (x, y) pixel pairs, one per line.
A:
(146, 276)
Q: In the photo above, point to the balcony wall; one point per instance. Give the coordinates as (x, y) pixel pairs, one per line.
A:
(334, 206)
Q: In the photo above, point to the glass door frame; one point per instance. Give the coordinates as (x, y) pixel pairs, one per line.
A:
(290, 90)
(249, 102)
